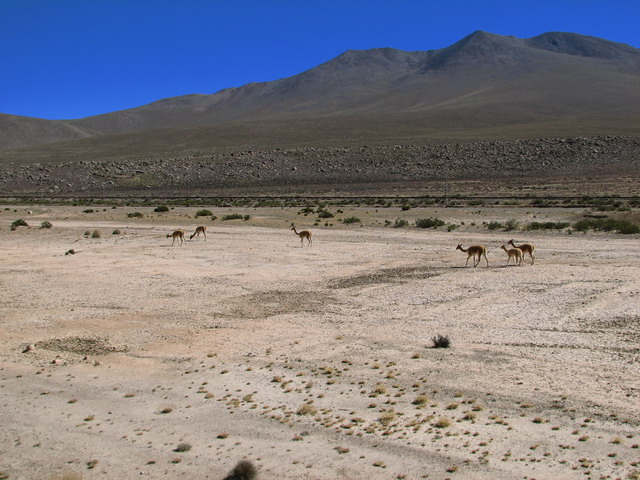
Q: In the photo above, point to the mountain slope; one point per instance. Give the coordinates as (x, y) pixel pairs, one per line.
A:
(482, 81)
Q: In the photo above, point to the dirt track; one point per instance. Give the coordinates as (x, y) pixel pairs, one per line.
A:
(233, 336)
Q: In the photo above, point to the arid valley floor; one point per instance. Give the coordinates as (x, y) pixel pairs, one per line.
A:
(161, 361)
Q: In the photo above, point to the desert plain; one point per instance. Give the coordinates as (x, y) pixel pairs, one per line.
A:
(153, 360)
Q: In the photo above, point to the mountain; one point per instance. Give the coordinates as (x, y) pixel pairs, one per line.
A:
(485, 84)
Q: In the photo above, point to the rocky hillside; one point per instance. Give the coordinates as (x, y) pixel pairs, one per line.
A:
(319, 169)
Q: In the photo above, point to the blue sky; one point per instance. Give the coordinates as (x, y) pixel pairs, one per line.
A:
(75, 58)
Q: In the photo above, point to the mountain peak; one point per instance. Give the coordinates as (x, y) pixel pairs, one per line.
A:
(580, 45)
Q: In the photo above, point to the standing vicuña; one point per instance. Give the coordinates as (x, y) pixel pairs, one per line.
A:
(474, 251)
(529, 248)
(514, 253)
(303, 234)
(200, 230)
(179, 234)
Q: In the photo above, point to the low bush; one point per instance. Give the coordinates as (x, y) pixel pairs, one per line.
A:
(88, 210)
(494, 225)
(19, 223)
(46, 224)
(116, 231)
(96, 234)
(351, 220)
(325, 214)
(429, 222)
(441, 341)
(161, 208)
(607, 225)
(233, 216)
(213, 218)
(512, 224)
(547, 225)
(135, 215)
(400, 223)
(204, 213)
(246, 217)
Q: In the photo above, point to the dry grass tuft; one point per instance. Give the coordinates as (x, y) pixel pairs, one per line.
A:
(307, 409)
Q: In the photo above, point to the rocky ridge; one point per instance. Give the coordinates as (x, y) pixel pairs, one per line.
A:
(298, 168)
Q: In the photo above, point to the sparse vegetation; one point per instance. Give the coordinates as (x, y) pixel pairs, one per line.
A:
(204, 213)
(607, 225)
(96, 234)
(400, 223)
(429, 222)
(116, 232)
(307, 409)
(19, 223)
(135, 215)
(349, 220)
(547, 225)
(232, 216)
(88, 210)
(441, 341)
(495, 225)
(161, 209)
(182, 447)
(442, 423)
(512, 224)
(46, 224)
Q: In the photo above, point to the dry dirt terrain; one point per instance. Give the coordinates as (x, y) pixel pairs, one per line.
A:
(160, 361)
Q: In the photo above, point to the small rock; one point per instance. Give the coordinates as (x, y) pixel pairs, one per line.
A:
(29, 348)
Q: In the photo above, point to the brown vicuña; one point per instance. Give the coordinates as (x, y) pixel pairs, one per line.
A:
(179, 234)
(527, 248)
(514, 253)
(200, 230)
(474, 251)
(302, 234)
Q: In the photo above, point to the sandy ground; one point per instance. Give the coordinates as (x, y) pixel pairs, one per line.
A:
(314, 363)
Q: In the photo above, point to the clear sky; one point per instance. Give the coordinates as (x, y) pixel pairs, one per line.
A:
(75, 58)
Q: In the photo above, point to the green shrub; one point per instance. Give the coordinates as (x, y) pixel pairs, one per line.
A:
(19, 223)
(232, 216)
(547, 225)
(88, 210)
(429, 222)
(135, 215)
(46, 224)
(246, 217)
(116, 232)
(204, 213)
(406, 207)
(213, 218)
(512, 224)
(607, 225)
(325, 214)
(351, 220)
(96, 234)
(161, 208)
(400, 223)
(494, 225)
(451, 227)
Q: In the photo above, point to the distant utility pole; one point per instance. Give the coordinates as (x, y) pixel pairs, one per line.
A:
(446, 189)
